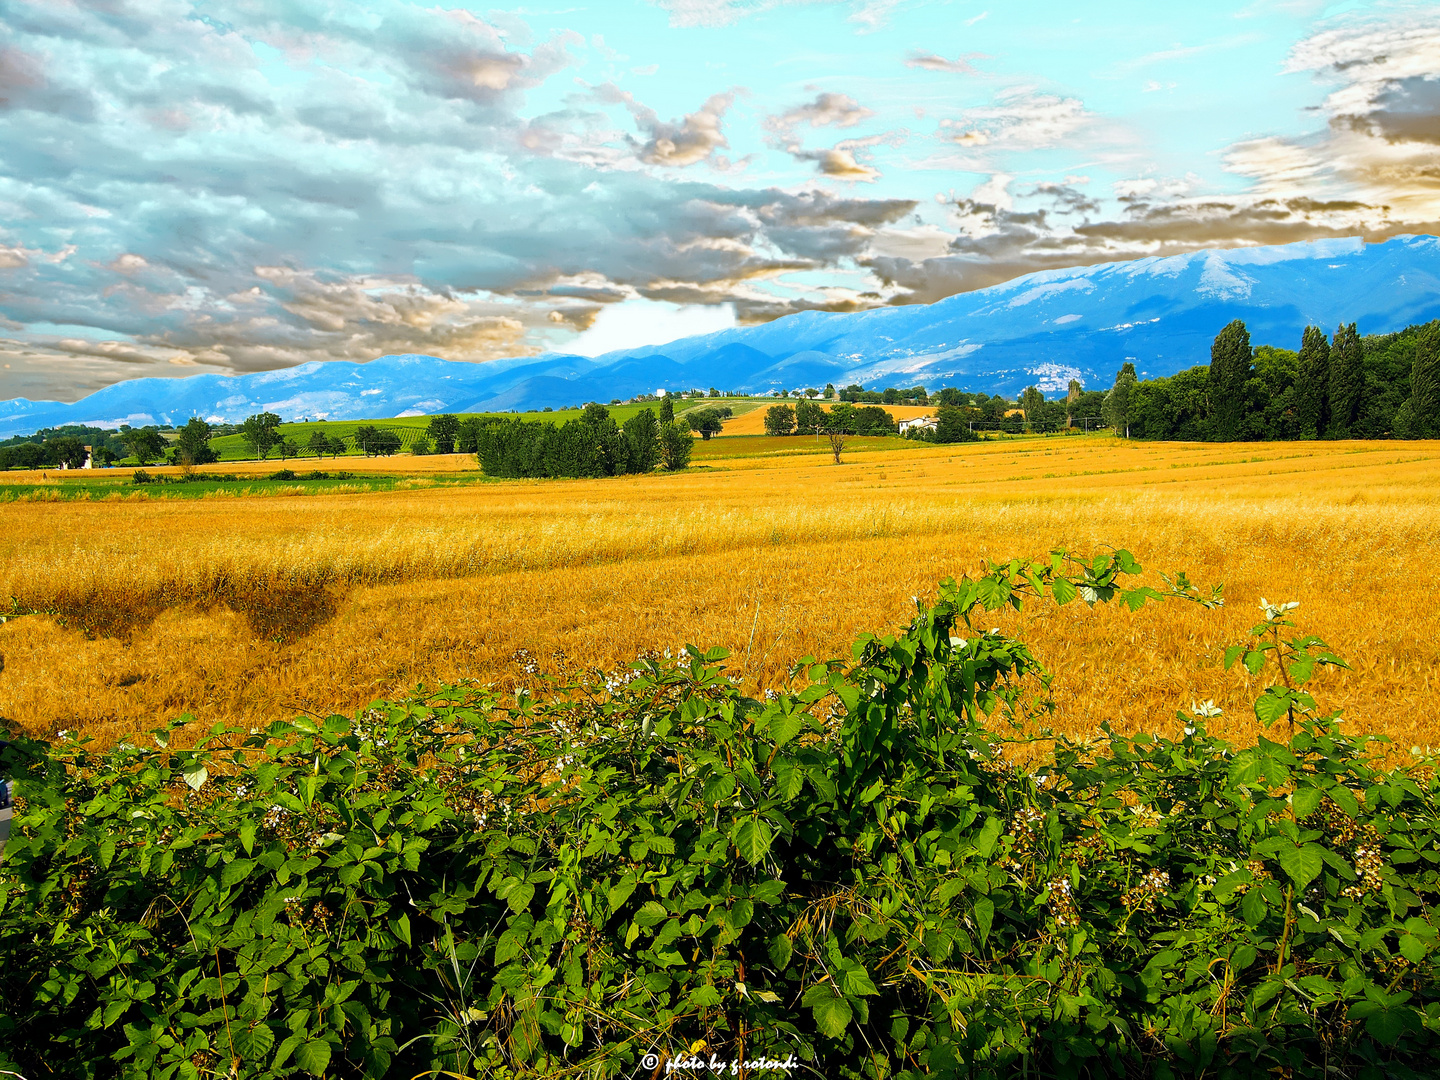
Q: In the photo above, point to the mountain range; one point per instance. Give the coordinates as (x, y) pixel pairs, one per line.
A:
(1042, 329)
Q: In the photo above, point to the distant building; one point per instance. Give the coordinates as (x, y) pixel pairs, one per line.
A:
(919, 423)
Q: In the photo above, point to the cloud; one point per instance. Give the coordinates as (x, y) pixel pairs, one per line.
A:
(1019, 119)
(242, 193)
(841, 164)
(828, 109)
(676, 145)
(961, 65)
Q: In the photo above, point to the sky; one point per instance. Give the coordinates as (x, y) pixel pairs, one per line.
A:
(245, 185)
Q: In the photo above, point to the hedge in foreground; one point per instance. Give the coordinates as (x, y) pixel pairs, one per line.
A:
(606, 878)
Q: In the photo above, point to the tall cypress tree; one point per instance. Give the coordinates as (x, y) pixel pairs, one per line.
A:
(1424, 403)
(1347, 381)
(1231, 363)
(1312, 386)
(667, 409)
(1116, 409)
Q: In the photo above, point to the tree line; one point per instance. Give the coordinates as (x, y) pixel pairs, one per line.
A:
(1341, 387)
(592, 444)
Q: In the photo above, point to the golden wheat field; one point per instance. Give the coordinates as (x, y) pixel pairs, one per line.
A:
(249, 609)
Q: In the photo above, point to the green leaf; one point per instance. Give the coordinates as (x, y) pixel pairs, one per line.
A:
(785, 728)
(984, 916)
(1302, 864)
(1306, 801)
(621, 892)
(1272, 706)
(107, 852)
(195, 774)
(705, 995)
(985, 840)
(752, 838)
(247, 837)
(400, 927)
(1232, 654)
(236, 872)
(1254, 661)
(857, 982)
(314, 1056)
(254, 1042)
(1253, 908)
(1389, 1024)
(832, 1013)
(519, 896)
(1342, 797)
(780, 949)
(1412, 948)
(1062, 590)
(740, 914)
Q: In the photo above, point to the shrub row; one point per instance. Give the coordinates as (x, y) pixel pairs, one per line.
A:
(617, 872)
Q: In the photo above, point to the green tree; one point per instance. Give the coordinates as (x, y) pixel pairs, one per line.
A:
(841, 417)
(193, 445)
(829, 391)
(367, 438)
(28, 455)
(1032, 401)
(676, 444)
(319, 443)
(1072, 397)
(952, 426)
(1118, 402)
(1231, 366)
(949, 395)
(642, 438)
(442, 430)
(467, 440)
(145, 444)
(1347, 381)
(421, 446)
(67, 451)
(1419, 417)
(707, 422)
(873, 420)
(779, 420)
(667, 410)
(260, 433)
(288, 448)
(1312, 398)
(809, 417)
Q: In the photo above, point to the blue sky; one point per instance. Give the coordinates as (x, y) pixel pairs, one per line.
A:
(240, 185)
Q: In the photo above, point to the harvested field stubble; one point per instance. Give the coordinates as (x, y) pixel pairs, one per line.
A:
(249, 610)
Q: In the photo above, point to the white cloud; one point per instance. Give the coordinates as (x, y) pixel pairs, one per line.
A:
(961, 65)
(840, 110)
(1018, 119)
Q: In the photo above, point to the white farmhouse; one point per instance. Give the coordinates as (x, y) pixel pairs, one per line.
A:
(918, 423)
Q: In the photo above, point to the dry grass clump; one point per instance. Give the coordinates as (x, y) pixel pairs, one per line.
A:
(245, 610)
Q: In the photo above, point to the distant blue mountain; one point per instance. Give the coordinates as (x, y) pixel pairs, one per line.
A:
(1043, 329)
